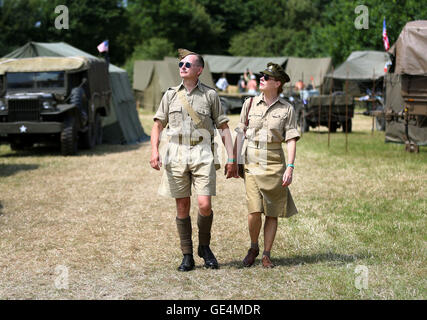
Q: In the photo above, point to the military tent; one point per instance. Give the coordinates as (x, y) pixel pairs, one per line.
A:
(309, 70)
(238, 64)
(122, 125)
(361, 69)
(151, 78)
(406, 88)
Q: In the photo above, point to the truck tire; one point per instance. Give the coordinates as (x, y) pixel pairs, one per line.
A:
(69, 137)
(334, 127)
(98, 129)
(77, 98)
(349, 123)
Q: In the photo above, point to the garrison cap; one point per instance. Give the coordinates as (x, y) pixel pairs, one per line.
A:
(182, 53)
(277, 72)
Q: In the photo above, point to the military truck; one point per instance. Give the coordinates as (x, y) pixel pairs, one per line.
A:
(325, 110)
(232, 101)
(59, 99)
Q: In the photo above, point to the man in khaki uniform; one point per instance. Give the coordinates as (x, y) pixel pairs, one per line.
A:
(193, 111)
(266, 121)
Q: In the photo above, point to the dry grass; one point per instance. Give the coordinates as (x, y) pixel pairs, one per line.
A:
(99, 215)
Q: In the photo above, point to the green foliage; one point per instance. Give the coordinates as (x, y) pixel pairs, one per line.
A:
(239, 27)
(153, 49)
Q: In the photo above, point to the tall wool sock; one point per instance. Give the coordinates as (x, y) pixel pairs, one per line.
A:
(205, 224)
(184, 232)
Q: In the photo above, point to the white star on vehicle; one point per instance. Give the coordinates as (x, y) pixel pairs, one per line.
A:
(23, 129)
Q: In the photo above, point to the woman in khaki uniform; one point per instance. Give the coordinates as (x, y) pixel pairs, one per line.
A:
(265, 122)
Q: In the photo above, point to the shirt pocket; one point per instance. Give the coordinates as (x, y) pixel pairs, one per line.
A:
(204, 113)
(255, 120)
(175, 116)
(276, 127)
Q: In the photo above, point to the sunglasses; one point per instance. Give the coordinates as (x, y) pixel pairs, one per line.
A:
(267, 77)
(187, 65)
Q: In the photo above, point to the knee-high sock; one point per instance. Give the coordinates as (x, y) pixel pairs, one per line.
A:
(184, 232)
(205, 224)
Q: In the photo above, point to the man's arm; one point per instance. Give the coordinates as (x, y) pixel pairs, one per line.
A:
(291, 146)
(155, 141)
(230, 167)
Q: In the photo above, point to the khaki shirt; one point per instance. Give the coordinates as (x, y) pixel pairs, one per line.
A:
(203, 99)
(276, 123)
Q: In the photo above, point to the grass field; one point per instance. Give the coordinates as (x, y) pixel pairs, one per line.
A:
(93, 227)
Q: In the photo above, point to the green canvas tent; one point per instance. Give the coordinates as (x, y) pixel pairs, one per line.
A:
(362, 65)
(151, 78)
(361, 69)
(239, 64)
(122, 125)
(306, 69)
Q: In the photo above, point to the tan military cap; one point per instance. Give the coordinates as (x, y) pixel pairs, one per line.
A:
(276, 71)
(182, 53)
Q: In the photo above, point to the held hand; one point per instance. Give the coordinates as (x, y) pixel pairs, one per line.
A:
(155, 161)
(287, 177)
(230, 170)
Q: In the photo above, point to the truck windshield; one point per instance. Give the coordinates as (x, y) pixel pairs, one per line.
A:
(35, 80)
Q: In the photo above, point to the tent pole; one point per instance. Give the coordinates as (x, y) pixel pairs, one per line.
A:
(330, 111)
(373, 104)
(346, 113)
(321, 92)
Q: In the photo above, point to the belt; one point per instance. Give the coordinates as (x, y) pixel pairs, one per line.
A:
(185, 140)
(265, 145)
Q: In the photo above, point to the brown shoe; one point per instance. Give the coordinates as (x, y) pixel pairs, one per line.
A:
(266, 262)
(250, 257)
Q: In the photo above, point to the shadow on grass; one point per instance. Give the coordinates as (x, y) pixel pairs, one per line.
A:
(7, 170)
(302, 260)
(48, 150)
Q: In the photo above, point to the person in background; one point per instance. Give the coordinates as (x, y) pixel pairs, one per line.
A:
(299, 85)
(252, 85)
(222, 83)
(241, 84)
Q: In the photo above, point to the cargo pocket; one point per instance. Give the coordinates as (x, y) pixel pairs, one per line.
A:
(175, 116)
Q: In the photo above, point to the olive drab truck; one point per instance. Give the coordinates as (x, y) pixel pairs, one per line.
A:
(61, 99)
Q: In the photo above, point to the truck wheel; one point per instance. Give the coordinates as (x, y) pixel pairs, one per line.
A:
(69, 137)
(89, 136)
(334, 127)
(77, 98)
(349, 123)
(98, 129)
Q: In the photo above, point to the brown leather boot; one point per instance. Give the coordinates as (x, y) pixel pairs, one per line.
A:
(250, 257)
(266, 262)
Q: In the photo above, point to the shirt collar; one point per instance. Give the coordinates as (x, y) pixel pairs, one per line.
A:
(198, 86)
(261, 99)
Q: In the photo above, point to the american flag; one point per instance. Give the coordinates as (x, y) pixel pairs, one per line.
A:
(103, 46)
(385, 37)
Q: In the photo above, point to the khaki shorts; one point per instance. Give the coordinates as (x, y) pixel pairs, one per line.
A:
(179, 176)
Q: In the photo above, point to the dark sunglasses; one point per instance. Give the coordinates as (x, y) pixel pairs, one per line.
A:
(187, 65)
(267, 77)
